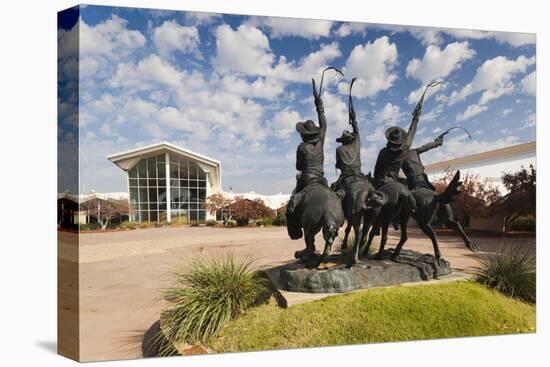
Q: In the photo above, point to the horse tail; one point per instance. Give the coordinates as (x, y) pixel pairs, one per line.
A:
(454, 188)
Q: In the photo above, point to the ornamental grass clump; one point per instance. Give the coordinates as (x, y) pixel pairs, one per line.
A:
(207, 294)
(512, 271)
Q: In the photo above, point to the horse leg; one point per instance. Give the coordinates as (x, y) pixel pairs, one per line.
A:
(356, 223)
(447, 217)
(346, 234)
(429, 231)
(404, 236)
(383, 240)
(374, 226)
(310, 247)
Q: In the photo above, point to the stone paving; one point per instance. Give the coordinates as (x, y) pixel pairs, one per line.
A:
(122, 273)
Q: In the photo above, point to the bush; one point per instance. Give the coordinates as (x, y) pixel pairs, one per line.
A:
(511, 271)
(267, 221)
(280, 219)
(211, 223)
(526, 223)
(90, 227)
(207, 294)
(242, 222)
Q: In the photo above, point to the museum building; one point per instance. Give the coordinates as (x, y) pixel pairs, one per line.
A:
(168, 183)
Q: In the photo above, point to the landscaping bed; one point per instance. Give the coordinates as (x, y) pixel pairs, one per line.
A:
(379, 315)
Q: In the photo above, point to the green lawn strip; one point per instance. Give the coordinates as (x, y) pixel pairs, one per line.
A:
(380, 315)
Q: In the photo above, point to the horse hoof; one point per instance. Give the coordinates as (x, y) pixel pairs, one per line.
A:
(472, 246)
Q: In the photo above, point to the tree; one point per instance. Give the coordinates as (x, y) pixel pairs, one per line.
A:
(521, 199)
(105, 210)
(245, 210)
(476, 197)
(219, 203)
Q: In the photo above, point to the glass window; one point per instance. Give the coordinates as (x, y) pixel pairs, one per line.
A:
(134, 195)
(161, 169)
(174, 170)
(153, 194)
(193, 195)
(202, 194)
(160, 158)
(133, 182)
(174, 195)
(152, 167)
(132, 173)
(143, 195)
(184, 194)
(193, 171)
(162, 195)
(202, 174)
(142, 169)
(161, 182)
(153, 217)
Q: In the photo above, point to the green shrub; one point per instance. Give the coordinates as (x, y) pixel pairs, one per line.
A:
(211, 223)
(526, 223)
(267, 221)
(90, 227)
(280, 219)
(511, 270)
(207, 294)
(242, 222)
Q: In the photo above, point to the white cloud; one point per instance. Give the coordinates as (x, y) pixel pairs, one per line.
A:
(373, 63)
(308, 67)
(492, 75)
(109, 38)
(506, 112)
(285, 27)
(390, 114)
(437, 64)
(529, 84)
(347, 29)
(493, 79)
(433, 36)
(471, 111)
(246, 50)
(267, 88)
(152, 69)
(512, 38)
(201, 18)
(284, 122)
(171, 36)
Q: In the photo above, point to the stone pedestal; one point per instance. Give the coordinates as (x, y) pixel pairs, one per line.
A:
(334, 276)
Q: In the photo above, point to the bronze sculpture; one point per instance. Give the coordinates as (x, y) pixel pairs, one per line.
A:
(313, 205)
(430, 204)
(359, 198)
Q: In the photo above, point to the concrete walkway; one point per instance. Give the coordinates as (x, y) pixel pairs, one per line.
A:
(122, 273)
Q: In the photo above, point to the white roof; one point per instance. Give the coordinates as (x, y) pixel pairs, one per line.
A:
(274, 201)
(160, 146)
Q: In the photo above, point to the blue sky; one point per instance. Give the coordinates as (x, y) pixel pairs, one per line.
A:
(233, 87)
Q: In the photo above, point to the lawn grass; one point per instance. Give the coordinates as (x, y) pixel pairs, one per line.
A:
(380, 315)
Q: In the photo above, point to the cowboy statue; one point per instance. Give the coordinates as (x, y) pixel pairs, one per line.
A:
(309, 162)
(348, 155)
(391, 158)
(413, 167)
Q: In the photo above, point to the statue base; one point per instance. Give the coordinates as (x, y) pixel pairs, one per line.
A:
(333, 276)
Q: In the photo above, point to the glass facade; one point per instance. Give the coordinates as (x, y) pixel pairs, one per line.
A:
(148, 190)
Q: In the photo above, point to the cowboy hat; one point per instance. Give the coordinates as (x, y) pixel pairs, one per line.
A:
(396, 137)
(346, 136)
(307, 128)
